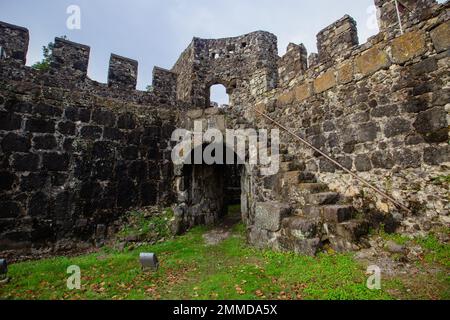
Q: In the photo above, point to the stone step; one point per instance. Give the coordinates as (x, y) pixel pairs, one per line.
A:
(353, 230)
(313, 187)
(300, 227)
(337, 213)
(310, 247)
(307, 177)
(287, 157)
(269, 215)
(293, 178)
(312, 212)
(292, 166)
(323, 198)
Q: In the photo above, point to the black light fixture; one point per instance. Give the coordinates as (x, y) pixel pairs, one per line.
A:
(149, 261)
(3, 271)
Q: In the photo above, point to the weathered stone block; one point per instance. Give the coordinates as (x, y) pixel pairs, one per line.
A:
(441, 37)
(45, 142)
(14, 42)
(38, 204)
(286, 98)
(384, 111)
(126, 121)
(323, 198)
(345, 72)
(303, 92)
(55, 161)
(130, 153)
(103, 150)
(260, 238)
(269, 215)
(6, 180)
(436, 155)
(195, 114)
(367, 132)
(25, 162)
(47, 110)
(362, 163)
(67, 128)
(325, 82)
(14, 142)
(9, 121)
(407, 158)
(326, 165)
(408, 46)
(32, 181)
(18, 106)
(9, 209)
(337, 213)
(84, 115)
(104, 117)
(308, 247)
(40, 126)
(433, 125)
(425, 66)
(396, 126)
(382, 159)
(371, 61)
(103, 170)
(352, 230)
(91, 132)
(112, 134)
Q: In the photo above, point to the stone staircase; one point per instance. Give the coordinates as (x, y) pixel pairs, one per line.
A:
(317, 217)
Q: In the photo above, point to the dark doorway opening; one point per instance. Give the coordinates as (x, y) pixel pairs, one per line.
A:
(213, 192)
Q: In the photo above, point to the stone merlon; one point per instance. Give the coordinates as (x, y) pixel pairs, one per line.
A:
(14, 42)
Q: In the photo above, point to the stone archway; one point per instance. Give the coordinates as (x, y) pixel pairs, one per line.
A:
(205, 193)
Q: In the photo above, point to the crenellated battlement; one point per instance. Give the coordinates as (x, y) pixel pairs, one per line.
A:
(70, 57)
(412, 12)
(122, 72)
(293, 64)
(247, 65)
(68, 68)
(337, 40)
(341, 58)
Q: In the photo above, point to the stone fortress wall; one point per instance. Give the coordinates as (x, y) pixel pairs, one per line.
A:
(76, 154)
(380, 109)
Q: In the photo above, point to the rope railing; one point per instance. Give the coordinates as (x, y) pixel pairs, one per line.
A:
(354, 175)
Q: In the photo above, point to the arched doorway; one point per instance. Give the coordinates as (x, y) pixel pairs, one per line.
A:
(210, 193)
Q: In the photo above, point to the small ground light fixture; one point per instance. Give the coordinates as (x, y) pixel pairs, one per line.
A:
(3, 271)
(149, 262)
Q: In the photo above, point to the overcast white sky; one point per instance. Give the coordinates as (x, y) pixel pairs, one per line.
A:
(155, 32)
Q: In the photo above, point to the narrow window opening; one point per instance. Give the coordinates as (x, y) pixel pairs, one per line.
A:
(218, 96)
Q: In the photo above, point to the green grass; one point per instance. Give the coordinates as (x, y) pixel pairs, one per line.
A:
(441, 180)
(154, 227)
(435, 251)
(192, 270)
